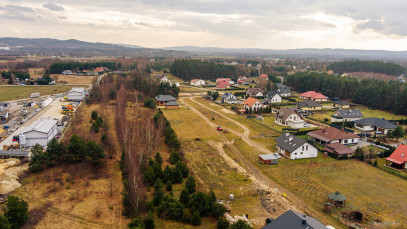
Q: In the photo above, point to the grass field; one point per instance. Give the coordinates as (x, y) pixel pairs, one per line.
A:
(20, 92)
(72, 79)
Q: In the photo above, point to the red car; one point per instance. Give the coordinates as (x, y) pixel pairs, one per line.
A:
(219, 128)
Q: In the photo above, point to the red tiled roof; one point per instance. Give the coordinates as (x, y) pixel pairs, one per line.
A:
(331, 133)
(250, 101)
(399, 156)
(263, 76)
(338, 148)
(314, 95)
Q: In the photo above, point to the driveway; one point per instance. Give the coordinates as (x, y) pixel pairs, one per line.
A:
(361, 143)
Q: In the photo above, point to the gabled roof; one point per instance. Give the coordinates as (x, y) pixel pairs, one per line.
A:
(254, 91)
(314, 95)
(282, 88)
(268, 157)
(77, 89)
(294, 220)
(41, 125)
(284, 113)
(337, 196)
(349, 114)
(226, 95)
(263, 76)
(165, 98)
(308, 103)
(381, 123)
(338, 148)
(340, 102)
(399, 156)
(271, 94)
(331, 133)
(289, 142)
(250, 101)
(171, 103)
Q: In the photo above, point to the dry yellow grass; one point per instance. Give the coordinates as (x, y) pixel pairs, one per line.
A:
(72, 79)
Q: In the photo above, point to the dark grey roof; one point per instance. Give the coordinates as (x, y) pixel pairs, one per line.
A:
(271, 94)
(289, 142)
(165, 98)
(341, 102)
(226, 95)
(377, 122)
(337, 196)
(171, 103)
(294, 220)
(349, 114)
(308, 103)
(282, 89)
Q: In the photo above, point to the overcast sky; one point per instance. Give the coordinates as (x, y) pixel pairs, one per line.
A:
(274, 24)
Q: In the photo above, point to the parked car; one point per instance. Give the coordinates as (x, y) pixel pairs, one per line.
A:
(219, 128)
(277, 155)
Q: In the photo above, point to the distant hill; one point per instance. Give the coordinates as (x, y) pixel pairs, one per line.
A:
(333, 54)
(77, 48)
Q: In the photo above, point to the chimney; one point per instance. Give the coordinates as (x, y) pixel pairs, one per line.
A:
(343, 130)
(290, 139)
(304, 221)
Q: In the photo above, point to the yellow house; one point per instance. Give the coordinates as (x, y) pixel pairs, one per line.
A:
(341, 104)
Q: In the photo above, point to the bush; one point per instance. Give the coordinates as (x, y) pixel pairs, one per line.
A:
(240, 224)
(200, 202)
(149, 221)
(223, 223)
(218, 210)
(169, 186)
(158, 158)
(190, 184)
(94, 115)
(184, 197)
(16, 211)
(174, 157)
(136, 223)
(186, 217)
(196, 219)
(4, 223)
(149, 102)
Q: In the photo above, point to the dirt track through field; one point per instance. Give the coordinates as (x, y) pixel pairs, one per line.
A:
(263, 182)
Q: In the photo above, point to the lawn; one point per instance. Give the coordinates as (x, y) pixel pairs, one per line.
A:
(8, 93)
(368, 113)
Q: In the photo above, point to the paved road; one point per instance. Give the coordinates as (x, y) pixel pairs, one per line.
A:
(252, 169)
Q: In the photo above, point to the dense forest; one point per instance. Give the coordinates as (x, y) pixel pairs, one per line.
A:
(191, 69)
(389, 96)
(59, 67)
(366, 66)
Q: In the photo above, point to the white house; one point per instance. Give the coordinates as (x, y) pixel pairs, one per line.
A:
(76, 94)
(273, 97)
(332, 135)
(229, 98)
(346, 116)
(374, 125)
(252, 103)
(289, 117)
(293, 147)
(197, 82)
(283, 90)
(40, 131)
(164, 79)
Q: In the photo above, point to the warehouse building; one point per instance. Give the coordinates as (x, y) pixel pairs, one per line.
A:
(76, 94)
(41, 131)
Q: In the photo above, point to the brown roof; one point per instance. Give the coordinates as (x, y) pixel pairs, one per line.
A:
(254, 91)
(331, 133)
(338, 148)
(284, 113)
(250, 101)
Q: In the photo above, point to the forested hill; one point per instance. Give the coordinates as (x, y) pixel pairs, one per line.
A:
(367, 66)
(377, 94)
(187, 69)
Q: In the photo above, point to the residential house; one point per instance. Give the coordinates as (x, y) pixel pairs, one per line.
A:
(254, 92)
(241, 80)
(76, 94)
(283, 90)
(339, 150)
(273, 97)
(290, 118)
(398, 159)
(294, 147)
(164, 79)
(4, 105)
(264, 76)
(293, 220)
(171, 105)
(252, 104)
(92, 73)
(162, 99)
(341, 104)
(218, 80)
(223, 84)
(268, 159)
(314, 96)
(67, 72)
(374, 125)
(331, 135)
(40, 131)
(346, 115)
(101, 69)
(309, 105)
(197, 82)
(228, 97)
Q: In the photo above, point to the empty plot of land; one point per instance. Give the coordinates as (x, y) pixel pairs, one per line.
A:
(72, 79)
(8, 93)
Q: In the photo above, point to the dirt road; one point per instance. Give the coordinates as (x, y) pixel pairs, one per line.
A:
(292, 201)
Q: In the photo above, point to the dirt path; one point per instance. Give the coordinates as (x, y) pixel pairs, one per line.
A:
(259, 177)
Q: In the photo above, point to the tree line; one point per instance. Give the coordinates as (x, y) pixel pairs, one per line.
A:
(59, 67)
(187, 70)
(376, 94)
(366, 66)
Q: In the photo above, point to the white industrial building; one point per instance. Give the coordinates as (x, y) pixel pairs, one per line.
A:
(40, 131)
(76, 94)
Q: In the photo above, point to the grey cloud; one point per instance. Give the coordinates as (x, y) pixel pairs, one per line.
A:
(62, 17)
(17, 12)
(372, 24)
(52, 6)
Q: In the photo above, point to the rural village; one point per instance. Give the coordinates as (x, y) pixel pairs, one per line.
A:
(185, 143)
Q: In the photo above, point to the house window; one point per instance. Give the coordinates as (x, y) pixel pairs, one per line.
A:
(345, 141)
(295, 153)
(302, 148)
(306, 148)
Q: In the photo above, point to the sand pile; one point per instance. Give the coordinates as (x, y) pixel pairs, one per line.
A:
(10, 170)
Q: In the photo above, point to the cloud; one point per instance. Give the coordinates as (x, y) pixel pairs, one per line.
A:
(17, 12)
(52, 6)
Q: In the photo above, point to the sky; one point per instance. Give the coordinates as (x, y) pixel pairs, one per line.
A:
(268, 24)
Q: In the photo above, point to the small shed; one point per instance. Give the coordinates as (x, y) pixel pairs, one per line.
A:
(268, 159)
(337, 199)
